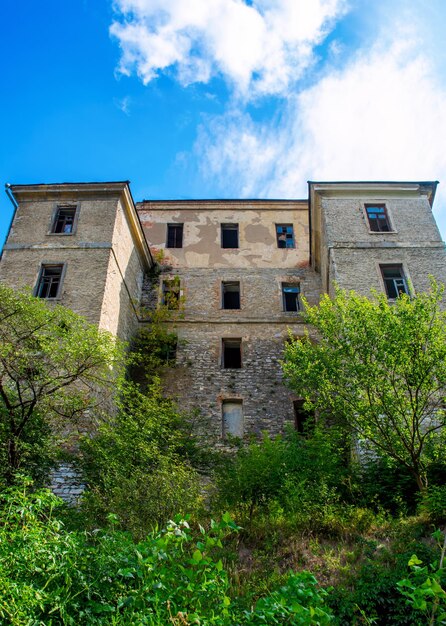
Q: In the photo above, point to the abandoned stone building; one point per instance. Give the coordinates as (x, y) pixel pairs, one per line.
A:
(239, 268)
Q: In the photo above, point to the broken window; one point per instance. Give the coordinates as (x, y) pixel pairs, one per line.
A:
(232, 353)
(232, 413)
(171, 294)
(229, 235)
(378, 218)
(285, 235)
(49, 282)
(64, 220)
(303, 419)
(394, 280)
(290, 297)
(174, 235)
(230, 295)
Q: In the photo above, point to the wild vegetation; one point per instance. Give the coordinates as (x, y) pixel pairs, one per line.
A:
(289, 530)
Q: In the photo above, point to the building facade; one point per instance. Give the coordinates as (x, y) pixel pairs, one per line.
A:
(233, 274)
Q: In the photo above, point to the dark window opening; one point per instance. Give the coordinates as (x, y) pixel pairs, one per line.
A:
(285, 235)
(171, 294)
(394, 280)
(229, 235)
(232, 413)
(303, 419)
(49, 282)
(64, 220)
(290, 296)
(378, 218)
(231, 295)
(174, 235)
(232, 353)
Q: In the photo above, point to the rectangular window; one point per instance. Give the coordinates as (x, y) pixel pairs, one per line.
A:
(290, 297)
(49, 282)
(285, 235)
(229, 235)
(174, 235)
(171, 294)
(232, 413)
(232, 353)
(378, 218)
(394, 280)
(64, 220)
(230, 295)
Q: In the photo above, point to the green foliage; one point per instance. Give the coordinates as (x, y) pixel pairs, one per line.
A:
(433, 503)
(50, 362)
(299, 602)
(138, 466)
(153, 350)
(305, 476)
(174, 576)
(378, 367)
(423, 587)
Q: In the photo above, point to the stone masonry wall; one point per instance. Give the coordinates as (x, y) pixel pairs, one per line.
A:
(358, 268)
(199, 381)
(410, 217)
(84, 281)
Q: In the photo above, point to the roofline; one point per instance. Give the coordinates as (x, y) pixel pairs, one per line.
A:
(77, 184)
(432, 184)
(228, 200)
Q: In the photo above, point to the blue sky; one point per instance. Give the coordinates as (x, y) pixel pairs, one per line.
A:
(222, 98)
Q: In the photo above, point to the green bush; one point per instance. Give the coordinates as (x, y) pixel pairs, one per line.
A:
(303, 476)
(433, 503)
(137, 465)
(174, 576)
(299, 602)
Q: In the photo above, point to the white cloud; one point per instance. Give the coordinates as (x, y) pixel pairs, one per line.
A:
(381, 118)
(261, 47)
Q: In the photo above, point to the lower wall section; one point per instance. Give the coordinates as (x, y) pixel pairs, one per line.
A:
(201, 381)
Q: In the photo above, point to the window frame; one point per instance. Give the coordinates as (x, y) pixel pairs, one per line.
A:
(43, 266)
(164, 290)
(58, 207)
(225, 283)
(283, 286)
(388, 220)
(403, 277)
(173, 225)
(293, 240)
(224, 431)
(228, 226)
(227, 340)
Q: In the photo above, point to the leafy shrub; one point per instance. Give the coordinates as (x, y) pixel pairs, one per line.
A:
(433, 503)
(298, 602)
(383, 484)
(304, 476)
(373, 591)
(424, 587)
(137, 465)
(175, 576)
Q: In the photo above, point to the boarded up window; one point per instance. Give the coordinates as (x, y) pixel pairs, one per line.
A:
(232, 411)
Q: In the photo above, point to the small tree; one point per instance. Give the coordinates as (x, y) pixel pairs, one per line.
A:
(53, 366)
(379, 366)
